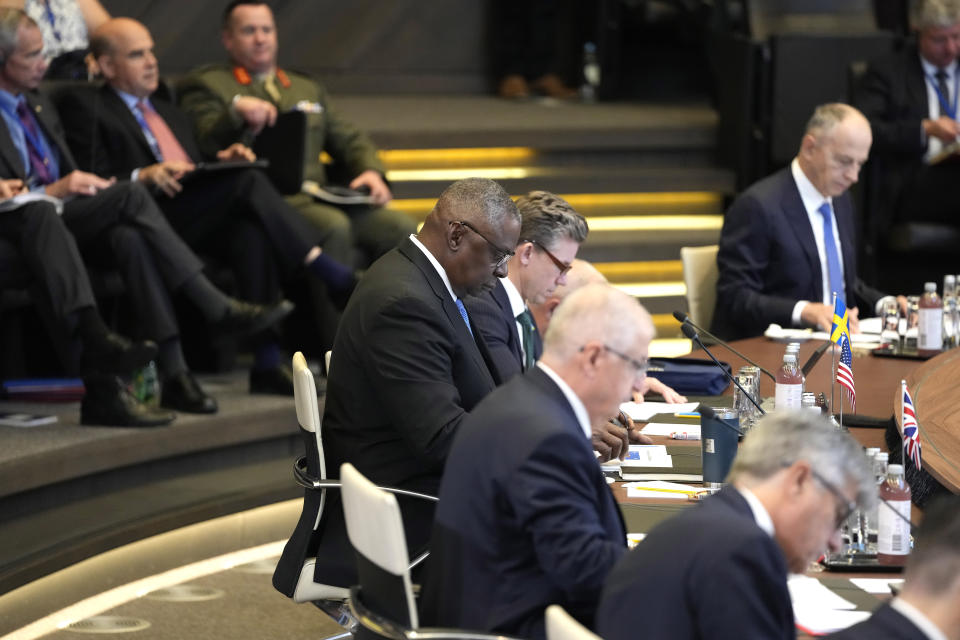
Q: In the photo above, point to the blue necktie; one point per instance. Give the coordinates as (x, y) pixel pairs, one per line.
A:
(834, 272)
(463, 314)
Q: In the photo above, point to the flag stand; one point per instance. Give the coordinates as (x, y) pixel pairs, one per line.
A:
(903, 441)
(833, 369)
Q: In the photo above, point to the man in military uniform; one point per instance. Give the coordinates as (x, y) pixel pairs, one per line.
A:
(231, 103)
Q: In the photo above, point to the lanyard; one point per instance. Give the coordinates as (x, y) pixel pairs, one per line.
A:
(945, 107)
(52, 20)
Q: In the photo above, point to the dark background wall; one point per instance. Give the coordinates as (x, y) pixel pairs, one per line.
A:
(356, 46)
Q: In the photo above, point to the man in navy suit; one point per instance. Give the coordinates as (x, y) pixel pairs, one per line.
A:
(910, 98)
(525, 517)
(719, 570)
(407, 367)
(927, 605)
(788, 242)
(122, 129)
(551, 232)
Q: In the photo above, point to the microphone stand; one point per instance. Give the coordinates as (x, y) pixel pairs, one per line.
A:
(683, 318)
(691, 333)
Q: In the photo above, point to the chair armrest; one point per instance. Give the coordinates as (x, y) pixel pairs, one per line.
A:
(307, 481)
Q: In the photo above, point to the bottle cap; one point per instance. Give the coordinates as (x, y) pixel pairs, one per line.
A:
(948, 279)
(790, 358)
(881, 455)
(930, 287)
(873, 451)
(895, 468)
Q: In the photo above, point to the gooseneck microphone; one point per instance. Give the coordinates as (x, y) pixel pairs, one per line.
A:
(683, 318)
(691, 333)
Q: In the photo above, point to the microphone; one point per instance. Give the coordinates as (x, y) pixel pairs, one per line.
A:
(814, 358)
(685, 319)
(691, 333)
(710, 414)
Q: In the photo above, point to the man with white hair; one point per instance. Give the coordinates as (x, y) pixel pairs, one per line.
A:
(910, 98)
(525, 517)
(719, 570)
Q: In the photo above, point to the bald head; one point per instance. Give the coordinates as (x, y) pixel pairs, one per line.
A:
(597, 342)
(124, 50)
(471, 232)
(835, 146)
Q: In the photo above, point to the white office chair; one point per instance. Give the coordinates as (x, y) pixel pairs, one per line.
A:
(700, 277)
(562, 626)
(383, 603)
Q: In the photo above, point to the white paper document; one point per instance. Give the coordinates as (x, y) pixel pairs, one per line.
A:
(876, 585)
(668, 429)
(819, 610)
(776, 332)
(660, 489)
(643, 411)
(648, 455)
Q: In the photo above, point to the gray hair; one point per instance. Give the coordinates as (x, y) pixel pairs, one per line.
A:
(596, 312)
(476, 199)
(782, 438)
(545, 218)
(925, 14)
(10, 21)
(827, 116)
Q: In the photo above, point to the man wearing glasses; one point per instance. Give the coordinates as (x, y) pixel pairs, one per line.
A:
(525, 517)
(407, 366)
(719, 570)
(551, 232)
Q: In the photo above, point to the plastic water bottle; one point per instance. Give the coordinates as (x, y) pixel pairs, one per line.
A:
(591, 73)
(893, 531)
(930, 338)
(789, 391)
(870, 516)
(949, 311)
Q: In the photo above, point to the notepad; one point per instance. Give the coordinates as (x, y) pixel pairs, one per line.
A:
(643, 411)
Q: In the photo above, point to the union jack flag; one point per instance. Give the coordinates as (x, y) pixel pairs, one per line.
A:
(911, 431)
(840, 334)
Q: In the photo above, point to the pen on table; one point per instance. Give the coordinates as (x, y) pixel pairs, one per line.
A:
(686, 492)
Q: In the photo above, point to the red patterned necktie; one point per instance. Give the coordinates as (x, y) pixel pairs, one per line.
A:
(170, 148)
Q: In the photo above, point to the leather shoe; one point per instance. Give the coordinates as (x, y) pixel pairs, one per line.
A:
(246, 318)
(107, 402)
(112, 353)
(276, 380)
(183, 393)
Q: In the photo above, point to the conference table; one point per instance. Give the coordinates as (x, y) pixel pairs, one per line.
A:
(877, 381)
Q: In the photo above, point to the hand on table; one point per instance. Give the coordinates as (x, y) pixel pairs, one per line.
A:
(820, 317)
(653, 385)
(610, 441)
(237, 151)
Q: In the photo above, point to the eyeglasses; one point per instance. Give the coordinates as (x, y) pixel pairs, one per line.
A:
(560, 264)
(844, 507)
(500, 255)
(640, 366)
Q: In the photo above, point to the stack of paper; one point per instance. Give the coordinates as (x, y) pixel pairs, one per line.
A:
(818, 610)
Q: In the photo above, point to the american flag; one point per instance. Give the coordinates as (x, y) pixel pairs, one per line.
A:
(911, 431)
(840, 334)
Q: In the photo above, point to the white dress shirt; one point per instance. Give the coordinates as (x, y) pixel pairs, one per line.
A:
(517, 306)
(760, 513)
(812, 200)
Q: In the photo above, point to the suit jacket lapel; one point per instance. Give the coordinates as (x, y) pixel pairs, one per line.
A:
(413, 253)
(10, 154)
(119, 110)
(47, 118)
(917, 85)
(500, 296)
(799, 221)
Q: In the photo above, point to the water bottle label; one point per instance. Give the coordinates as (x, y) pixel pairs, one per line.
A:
(788, 396)
(931, 326)
(893, 532)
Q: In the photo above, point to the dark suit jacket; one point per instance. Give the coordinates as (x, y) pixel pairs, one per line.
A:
(893, 96)
(768, 259)
(106, 138)
(525, 518)
(11, 165)
(404, 373)
(709, 572)
(886, 623)
(493, 317)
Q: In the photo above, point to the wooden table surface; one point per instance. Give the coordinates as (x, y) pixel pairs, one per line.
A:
(933, 387)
